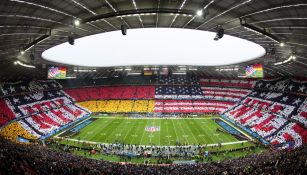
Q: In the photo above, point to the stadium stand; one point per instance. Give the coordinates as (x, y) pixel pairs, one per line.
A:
(6, 114)
(224, 94)
(28, 86)
(268, 114)
(191, 106)
(15, 130)
(116, 92)
(273, 110)
(297, 85)
(246, 83)
(15, 159)
(119, 106)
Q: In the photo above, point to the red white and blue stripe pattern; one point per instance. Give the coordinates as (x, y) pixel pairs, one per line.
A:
(191, 106)
(224, 94)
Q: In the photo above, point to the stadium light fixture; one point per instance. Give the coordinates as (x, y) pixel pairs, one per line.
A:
(23, 64)
(291, 57)
(199, 12)
(71, 77)
(179, 73)
(77, 22)
(281, 44)
(134, 73)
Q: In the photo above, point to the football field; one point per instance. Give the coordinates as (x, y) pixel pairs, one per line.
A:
(153, 131)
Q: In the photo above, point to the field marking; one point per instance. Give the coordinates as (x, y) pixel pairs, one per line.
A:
(185, 146)
(111, 127)
(107, 123)
(101, 129)
(175, 130)
(73, 126)
(150, 136)
(157, 118)
(205, 129)
(143, 132)
(169, 142)
(188, 126)
(160, 132)
(251, 139)
(138, 127)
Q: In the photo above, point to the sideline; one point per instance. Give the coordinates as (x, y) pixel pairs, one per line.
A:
(107, 144)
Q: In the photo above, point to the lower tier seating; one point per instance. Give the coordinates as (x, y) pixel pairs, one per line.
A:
(13, 130)
(6, 114)
(157, 106)
(119, 106)
(270, 118)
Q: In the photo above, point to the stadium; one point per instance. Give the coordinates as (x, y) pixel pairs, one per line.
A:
(153, 87)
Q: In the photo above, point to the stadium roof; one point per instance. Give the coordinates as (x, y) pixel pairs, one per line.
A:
(36, 25)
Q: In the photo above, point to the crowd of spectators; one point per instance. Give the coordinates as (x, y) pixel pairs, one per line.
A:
(224, 93)
(13, 130)
(269, 115)
(119, 106)
(36, 159)
(236, 83)
(5, 113)
(115, 92)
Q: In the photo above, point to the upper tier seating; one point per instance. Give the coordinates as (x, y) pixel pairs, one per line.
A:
(178, 92)
(119, 106)
(32, 86)
(182, 80)
(298, 85)
(117, 92)
(191, 106)
(243, 83)
(6, 114)
(224, 94)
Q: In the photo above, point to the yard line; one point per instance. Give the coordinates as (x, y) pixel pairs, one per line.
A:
(187, 125)
(214, 144)
(169, 142)
(127, 132)
(200, 131)
(182, 131)
(143, 132)
(138, 127)
(177, 138)
(160, 131)
(114, 129)
(205, 131)
(94, 131)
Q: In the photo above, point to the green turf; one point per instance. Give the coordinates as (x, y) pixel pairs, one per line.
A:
(132, 131)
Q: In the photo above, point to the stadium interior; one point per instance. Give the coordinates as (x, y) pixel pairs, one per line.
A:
(153, 87)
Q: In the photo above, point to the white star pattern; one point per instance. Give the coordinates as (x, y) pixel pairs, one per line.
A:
(291, 87)
(285, 98)
(302, 88)
(297, 101)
